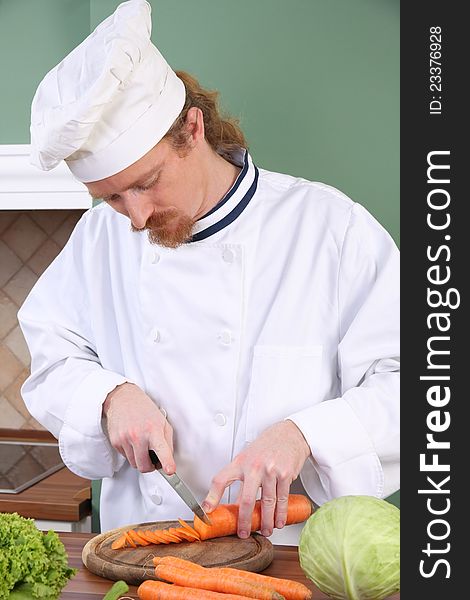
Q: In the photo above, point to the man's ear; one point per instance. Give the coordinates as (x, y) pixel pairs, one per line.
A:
(195, 125)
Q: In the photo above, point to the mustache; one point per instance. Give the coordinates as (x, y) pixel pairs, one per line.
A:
(158, 220)
(169, 227)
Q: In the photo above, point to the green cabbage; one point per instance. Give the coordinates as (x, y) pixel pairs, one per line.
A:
(350, 548)
(32, 564)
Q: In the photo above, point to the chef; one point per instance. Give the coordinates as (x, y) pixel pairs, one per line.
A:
(241, 323)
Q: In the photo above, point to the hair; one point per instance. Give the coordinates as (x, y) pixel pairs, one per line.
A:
(221, 131)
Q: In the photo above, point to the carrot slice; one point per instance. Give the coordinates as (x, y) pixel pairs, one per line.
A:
(152, 538)
(176, 531)
(190, 529)
(138, 539)
(185, 535)
(120, 542)
(161, 536)
(130, 540)
(170, 537)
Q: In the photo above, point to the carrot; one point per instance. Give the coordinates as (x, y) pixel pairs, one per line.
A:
(291, 590)
(157, 590)
(169, 536)
(130, 540)
(189, 528)
(120, 542)
(185, 535)
(138, 538)
(225, 517)
(207, 579)
(151, 537)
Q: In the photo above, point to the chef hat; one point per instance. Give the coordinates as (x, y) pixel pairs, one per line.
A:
(108, 102)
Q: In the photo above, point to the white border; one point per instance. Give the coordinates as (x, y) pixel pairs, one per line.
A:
(24, 187)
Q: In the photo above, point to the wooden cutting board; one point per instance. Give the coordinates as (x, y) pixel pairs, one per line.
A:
(133, 565)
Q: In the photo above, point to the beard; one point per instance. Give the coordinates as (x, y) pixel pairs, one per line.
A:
(170, 228)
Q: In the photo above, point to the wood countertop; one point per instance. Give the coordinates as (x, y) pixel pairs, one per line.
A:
(62, 496)
(87, 586)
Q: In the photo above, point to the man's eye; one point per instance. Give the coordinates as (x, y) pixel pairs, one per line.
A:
(143, 188)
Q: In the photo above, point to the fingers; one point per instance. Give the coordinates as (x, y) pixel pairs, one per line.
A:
(251, 485)
(268, 506)
(219, 483)
(163, 448)
(282, 498)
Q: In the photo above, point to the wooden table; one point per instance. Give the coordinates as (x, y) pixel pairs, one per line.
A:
(86, 585)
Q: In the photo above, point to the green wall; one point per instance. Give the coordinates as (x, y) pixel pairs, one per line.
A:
(314, 82)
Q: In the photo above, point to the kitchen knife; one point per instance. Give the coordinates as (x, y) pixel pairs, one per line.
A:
(180, 488)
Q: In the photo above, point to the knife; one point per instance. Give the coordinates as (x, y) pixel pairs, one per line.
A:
(181, 489)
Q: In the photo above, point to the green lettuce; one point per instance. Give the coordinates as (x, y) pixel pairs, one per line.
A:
(32, 564)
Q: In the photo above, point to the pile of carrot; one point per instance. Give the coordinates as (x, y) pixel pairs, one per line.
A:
(187, 580)
(223, 522)
(144, 537)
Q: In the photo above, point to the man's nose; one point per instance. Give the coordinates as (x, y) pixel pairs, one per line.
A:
(138, 209)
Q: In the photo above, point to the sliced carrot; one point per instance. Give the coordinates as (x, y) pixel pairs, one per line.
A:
(138, 539)
(171, 537)
(185, 535)
(179, 532)
(150, 535)
(158, 533)
(129, 539)
(143, 534)
(167, 537)
(120, 542)
(189, 528)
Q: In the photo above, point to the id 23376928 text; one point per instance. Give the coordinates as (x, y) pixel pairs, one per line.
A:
(435, 70)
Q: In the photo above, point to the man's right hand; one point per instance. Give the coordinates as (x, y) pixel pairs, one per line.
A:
(136, 425)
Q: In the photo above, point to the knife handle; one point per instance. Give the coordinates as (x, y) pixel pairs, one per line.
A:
(155, 460)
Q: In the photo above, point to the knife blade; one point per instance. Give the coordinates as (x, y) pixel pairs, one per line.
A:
(180, 488)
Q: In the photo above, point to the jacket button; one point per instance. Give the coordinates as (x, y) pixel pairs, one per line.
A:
(220, 419)
(228, 255)
(156, 336)
(156, 499)
(225, 337)
(154, 258)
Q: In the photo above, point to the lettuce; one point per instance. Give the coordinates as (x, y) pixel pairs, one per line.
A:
(32, 564)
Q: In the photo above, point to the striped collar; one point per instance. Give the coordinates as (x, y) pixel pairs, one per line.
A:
(232, 204)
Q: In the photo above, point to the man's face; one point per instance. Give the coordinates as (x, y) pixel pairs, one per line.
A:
(162, 193)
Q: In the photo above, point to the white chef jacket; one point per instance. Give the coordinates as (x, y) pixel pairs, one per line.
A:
(284, 305)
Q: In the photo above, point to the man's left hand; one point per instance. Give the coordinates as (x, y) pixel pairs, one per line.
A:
(271, 462)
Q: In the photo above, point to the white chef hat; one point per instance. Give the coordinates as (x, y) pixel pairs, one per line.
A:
(108, 102)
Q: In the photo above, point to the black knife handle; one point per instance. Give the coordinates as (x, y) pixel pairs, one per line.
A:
(155, 460)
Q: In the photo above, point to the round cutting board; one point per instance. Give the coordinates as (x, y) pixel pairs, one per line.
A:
(133, 565)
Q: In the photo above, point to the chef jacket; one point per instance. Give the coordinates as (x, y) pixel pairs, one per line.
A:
(284, 305)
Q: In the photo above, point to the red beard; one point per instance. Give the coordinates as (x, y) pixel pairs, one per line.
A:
(170, 228)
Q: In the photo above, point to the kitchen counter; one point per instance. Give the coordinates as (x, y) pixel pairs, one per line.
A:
(62, 496)
(86, 585)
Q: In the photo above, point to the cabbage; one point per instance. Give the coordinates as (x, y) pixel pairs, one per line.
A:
(350, 548)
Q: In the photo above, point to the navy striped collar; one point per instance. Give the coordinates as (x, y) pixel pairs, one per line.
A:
(232, 204)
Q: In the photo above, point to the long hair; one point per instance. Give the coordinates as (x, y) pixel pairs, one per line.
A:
(221, 131)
